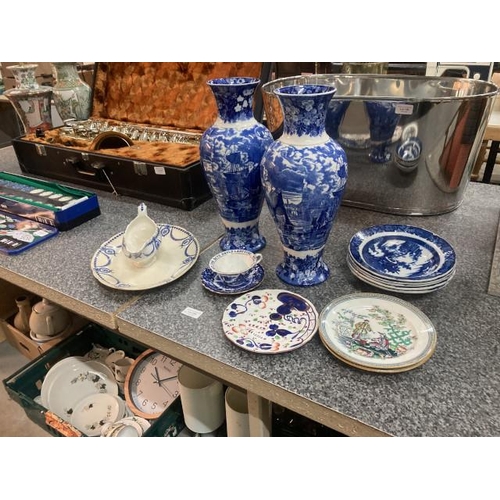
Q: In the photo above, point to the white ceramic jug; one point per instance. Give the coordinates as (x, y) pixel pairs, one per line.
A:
(142, 238)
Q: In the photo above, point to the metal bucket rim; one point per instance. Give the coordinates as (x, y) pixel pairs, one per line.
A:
(493, 88)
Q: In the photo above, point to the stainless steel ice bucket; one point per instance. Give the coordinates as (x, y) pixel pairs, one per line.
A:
(411, 141)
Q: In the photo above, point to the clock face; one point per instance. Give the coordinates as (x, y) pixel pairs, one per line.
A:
(151, 385)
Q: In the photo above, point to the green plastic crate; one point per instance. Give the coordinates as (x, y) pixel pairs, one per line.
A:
(25, 384)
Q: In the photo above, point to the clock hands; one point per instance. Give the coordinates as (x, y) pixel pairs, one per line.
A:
(159, 380)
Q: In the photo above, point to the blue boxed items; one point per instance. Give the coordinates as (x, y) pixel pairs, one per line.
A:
(50, 203)
(18, 234)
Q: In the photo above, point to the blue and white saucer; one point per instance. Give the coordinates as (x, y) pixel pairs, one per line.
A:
(400, 258)
(212, 282)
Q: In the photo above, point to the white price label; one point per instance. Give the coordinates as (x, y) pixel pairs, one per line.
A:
(160, 171)
(404, 109)
(192, 313)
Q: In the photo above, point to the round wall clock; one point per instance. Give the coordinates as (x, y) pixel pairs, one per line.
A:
(151, 385)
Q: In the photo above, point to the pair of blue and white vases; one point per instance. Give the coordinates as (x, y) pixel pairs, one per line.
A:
(301, 175)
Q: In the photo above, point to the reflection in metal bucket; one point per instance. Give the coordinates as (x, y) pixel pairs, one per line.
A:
(411, 142)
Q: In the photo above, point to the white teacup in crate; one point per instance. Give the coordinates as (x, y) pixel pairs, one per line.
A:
(141, 239)
(99, 353)
(121, 367)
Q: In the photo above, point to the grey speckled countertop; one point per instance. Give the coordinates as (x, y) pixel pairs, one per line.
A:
(59, 268)
(455, 393)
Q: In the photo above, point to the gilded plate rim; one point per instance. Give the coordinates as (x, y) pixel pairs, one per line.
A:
(370, 363)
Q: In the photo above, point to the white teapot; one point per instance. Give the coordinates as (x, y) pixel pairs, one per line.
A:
(48, 319)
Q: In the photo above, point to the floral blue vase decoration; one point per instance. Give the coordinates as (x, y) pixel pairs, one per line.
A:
(231, 151)
(304, 173)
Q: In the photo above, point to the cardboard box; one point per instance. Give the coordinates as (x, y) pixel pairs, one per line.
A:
(31, 348)
(22, 342)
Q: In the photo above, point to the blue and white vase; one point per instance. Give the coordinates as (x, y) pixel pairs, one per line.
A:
(304, 173)
(231, 151)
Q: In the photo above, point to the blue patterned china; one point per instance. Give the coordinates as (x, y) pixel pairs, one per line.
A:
(214, 283)
(231, 151)
(377, 332)
(402, 253)
(233, 267)
(404, 288)
(304, 173)
(399, 283)
(270, 321)
(177, 254)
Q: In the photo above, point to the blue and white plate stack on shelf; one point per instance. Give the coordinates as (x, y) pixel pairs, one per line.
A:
(402, 259)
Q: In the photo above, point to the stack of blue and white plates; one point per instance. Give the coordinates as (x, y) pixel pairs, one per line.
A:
(402, 259)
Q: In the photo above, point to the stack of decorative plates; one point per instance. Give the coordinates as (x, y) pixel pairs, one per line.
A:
(83, 392)
(377, 333)
(402, 259)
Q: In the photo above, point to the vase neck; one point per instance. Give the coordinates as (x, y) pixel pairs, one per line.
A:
(305, 115)
(23, 302)
(234, 98)
(25, 75)
(66, 73)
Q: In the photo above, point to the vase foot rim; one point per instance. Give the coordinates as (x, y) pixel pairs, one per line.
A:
(254, 246)
(284, 275)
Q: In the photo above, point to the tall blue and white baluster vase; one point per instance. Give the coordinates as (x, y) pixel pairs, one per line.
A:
(304, 173)
(231, 151)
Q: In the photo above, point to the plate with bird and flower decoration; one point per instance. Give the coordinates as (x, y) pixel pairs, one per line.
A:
(377, 332)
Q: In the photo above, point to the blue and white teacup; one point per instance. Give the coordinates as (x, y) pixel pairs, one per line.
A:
(234, 267)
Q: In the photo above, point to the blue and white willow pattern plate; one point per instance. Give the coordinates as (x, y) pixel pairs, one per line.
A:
(178, 252)
(402, 253)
